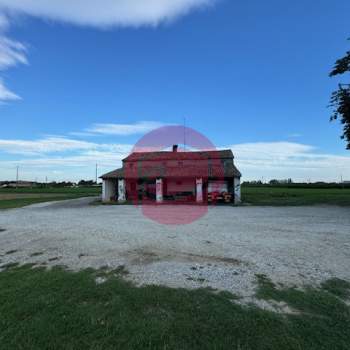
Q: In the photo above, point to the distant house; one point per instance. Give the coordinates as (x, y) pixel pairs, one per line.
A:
(174, 176)
(20, 184)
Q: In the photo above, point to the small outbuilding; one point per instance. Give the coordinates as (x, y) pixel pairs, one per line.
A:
(174, 176)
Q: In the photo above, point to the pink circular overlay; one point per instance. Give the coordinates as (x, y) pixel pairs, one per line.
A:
(172, 167)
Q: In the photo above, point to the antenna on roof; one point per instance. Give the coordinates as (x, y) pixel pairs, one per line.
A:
(184, 134)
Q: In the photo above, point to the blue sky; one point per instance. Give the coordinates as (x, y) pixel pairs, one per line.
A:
(249, 75)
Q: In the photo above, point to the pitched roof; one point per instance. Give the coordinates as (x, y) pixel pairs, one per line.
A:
(115, 174)
(218, 168)
(190, 155)
(218, 171)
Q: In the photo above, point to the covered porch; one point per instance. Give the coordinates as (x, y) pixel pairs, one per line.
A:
(171, 190)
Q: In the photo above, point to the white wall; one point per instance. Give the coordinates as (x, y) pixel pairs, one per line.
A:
(108, 190)
(237, 185)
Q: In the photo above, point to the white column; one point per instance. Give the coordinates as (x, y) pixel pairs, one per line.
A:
(104, 191)
(199, 190)
(121, 190)
(159, 190)
(237, 184)
(108, 190)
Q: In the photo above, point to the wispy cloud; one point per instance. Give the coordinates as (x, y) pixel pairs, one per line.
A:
(4, 23)
(95, 13)
(123, 129)
(66, 167)
(295, 135)
(6, 94)
(289, 160)
(106, 13)
(67, 158)
(12, 53)
(48, 145)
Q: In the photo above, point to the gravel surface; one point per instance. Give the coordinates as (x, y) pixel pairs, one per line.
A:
(225, 249)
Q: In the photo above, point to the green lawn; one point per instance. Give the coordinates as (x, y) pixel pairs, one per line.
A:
(69, 190)
(36, 195)
(280, 196)
(56, 309)
(276, 196)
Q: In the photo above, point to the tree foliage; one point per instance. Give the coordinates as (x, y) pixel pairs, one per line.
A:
(340, 100)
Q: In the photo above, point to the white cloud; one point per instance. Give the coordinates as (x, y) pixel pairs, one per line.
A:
(66, 168)
(282, 160)
(107, 158)
(4, 23)
(123, 129)
(12, 53)
(105, 13)
(49, 145)
(69, 159)
(95, 13)
(6, 94)
(43, 146)
(59, 158)
(295, 135)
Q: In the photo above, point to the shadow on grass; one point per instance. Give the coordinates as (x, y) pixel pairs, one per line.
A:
(58, 309)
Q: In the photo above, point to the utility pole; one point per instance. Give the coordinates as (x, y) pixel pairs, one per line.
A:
(96, 175)
(17, 176)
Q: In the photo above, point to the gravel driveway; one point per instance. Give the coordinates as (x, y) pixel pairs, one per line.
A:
(224, 250)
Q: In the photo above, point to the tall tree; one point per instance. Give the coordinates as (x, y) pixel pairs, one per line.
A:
(340, 100)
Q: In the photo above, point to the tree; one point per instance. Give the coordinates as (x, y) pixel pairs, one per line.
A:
(340, 100)
(86, 183)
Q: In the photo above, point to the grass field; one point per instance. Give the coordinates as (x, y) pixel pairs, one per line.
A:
(275, 196)
(14, 198)
(295, 196)
(56, 309)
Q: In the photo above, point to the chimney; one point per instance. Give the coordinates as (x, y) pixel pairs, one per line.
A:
(175, 148)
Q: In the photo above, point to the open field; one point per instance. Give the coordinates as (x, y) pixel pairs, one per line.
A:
(15, 198)
(57, 309)
(268, 278)
(284, 196)
(225, 249)
(265, 196)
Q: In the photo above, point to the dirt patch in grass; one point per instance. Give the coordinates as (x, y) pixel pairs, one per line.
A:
(144, 256)
(79, 313)
(36, 254)
(11, 252)
(54, 258)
